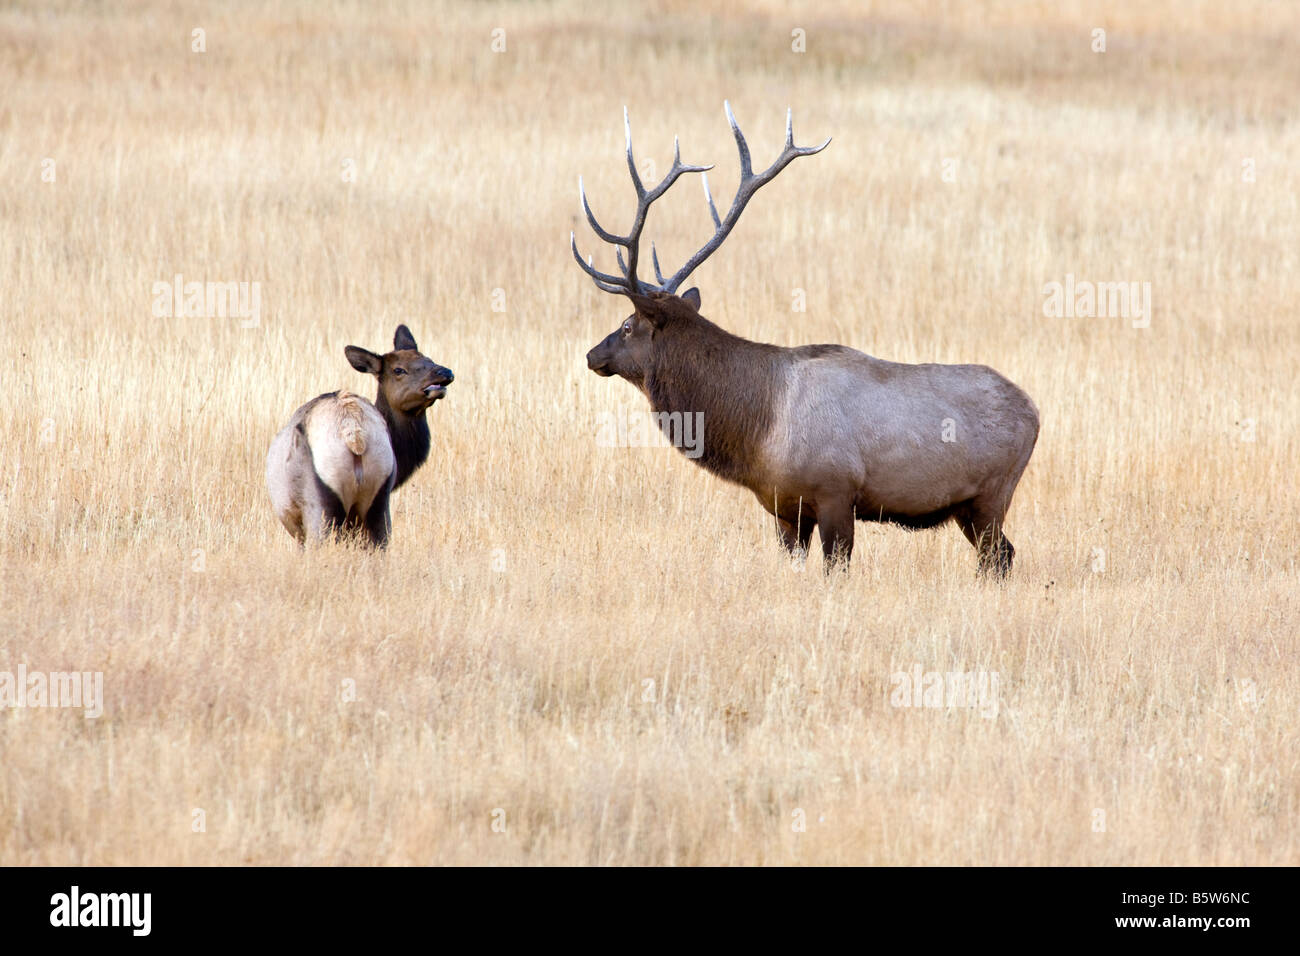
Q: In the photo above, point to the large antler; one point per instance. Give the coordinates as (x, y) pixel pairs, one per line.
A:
(749, 184)
(632, 241)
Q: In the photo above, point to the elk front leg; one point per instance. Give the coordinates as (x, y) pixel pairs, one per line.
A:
(835, 522)
(795, 535)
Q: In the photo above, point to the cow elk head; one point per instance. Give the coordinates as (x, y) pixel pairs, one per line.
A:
(408, 381)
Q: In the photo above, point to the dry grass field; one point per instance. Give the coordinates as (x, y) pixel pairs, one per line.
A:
(576, 654)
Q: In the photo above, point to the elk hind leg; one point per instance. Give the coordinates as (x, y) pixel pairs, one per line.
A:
(378, 522)
(323, 513)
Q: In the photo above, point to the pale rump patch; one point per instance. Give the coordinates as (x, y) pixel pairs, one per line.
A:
(345, 432)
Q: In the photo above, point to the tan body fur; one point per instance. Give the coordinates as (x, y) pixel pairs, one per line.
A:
(331, 468)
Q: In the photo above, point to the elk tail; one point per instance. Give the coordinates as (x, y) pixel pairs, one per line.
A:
(351, 427)
(352, 430)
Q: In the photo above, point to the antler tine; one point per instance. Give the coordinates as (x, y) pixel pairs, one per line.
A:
(789, 138)
(603, 280)
(596, 227)
(654, 257)
(745, 169)
(713, 210)
(750, 183)
(631, 163)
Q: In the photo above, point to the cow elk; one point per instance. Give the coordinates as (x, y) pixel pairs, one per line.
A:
(332, 468)
(823, 435)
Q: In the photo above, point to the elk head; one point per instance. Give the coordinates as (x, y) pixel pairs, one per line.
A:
(408, 381)
(628, 351)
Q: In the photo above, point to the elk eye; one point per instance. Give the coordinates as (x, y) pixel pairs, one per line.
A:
(627, 328)
(399, 371)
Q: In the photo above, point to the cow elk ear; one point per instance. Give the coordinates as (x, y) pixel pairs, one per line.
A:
(363, 361)
(403, 340)
(692, 297)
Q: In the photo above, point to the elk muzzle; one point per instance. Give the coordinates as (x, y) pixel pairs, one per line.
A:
(438, 380)
(598, 359)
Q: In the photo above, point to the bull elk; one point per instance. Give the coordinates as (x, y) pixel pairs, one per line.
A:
(332, 468)
(823, 435)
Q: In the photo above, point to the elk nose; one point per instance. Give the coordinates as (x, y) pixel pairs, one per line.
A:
(444, 376)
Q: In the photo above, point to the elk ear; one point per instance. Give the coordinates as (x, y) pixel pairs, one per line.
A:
(649, 308)
(692, 297)
(364, 361)
(403, 340)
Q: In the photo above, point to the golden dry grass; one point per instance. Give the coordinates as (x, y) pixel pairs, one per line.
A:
(501, 650)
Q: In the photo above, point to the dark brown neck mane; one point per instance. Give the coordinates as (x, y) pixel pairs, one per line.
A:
(410, 436)
(699, 367)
